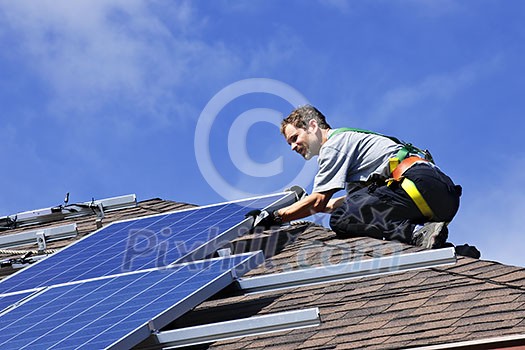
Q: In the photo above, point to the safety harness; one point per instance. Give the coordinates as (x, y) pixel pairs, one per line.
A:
(405, 158)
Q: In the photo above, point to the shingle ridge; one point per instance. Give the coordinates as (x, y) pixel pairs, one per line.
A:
(148, 204)
(483, 279)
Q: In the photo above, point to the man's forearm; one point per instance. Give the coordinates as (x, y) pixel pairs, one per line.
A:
(314, 203)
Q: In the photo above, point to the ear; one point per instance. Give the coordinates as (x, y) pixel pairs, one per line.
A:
(313, 124)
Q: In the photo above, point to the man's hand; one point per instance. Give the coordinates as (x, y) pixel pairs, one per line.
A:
(263, 218)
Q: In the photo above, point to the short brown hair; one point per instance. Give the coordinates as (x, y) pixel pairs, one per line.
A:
(302, 115)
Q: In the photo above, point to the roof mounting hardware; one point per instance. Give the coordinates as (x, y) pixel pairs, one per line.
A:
(31, 237)
(100, 216)
(251, 326)
(152, 328)
(225, 252)
(344, 271)
(41, 241)
(23, 261)
(63, 211)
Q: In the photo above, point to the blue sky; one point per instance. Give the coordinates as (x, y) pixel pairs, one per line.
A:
(106, 98)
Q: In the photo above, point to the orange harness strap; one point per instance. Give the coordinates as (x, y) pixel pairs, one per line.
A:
(405, 165)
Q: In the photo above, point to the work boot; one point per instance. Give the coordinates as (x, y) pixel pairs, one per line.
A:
(432, 235)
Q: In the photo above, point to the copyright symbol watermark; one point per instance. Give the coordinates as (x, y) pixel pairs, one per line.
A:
(237, 146)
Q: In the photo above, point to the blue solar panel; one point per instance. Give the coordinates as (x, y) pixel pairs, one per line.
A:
(143, 243)
(8, 300)
(113, 311)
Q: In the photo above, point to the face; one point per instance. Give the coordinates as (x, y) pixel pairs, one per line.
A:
(304, 142)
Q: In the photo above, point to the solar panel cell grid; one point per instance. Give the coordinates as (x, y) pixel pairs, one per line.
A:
(8, 300)
(136, 244)
(97, 313)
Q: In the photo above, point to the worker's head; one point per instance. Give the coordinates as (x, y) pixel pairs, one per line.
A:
(302, 130)
(302, 115)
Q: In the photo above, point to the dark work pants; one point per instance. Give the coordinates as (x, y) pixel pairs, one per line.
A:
(388, 212)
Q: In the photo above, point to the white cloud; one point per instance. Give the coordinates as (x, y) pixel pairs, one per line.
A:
(281, 48)
(129, 63)
(97, 53)
(439, 87)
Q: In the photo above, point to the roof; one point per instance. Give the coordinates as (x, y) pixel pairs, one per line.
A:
(470, 300)
(468, 303)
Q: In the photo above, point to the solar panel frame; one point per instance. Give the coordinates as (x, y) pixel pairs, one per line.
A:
(103, 312)
(74, 254)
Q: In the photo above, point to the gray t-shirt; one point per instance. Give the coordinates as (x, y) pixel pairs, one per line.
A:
(353, 157)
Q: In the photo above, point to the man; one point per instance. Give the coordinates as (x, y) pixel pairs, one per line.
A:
(365, 163)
